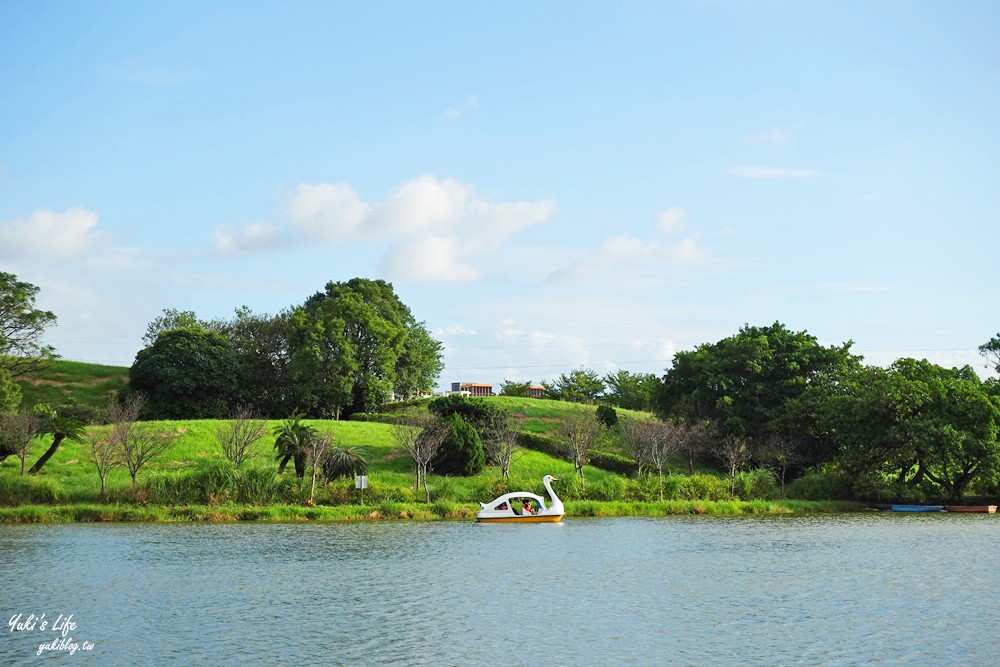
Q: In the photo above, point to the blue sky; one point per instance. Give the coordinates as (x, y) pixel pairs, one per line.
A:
(548, 185)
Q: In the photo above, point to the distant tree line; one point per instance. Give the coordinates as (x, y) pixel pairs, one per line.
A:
(346, 349)
(773, 398)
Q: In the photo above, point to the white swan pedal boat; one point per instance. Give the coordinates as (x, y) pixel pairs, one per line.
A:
(508, 507)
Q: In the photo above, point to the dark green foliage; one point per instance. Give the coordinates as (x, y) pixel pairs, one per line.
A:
(579, 386)
(10, 393)
(353, 344)
(542, 443)
(607, 415)
(345, 462)
(22, 327)
(461, 452)
(611, 462)
(292, 438)
(631, 391)
(187, 374)
(516, 389)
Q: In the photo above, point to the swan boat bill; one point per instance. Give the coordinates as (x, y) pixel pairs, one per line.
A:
(502, 509)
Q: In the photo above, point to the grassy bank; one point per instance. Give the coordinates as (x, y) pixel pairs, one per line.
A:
(392, 511)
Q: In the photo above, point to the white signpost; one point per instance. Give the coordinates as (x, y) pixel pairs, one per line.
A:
(361, 483)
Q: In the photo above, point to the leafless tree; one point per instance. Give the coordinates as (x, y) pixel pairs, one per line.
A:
(500, 441)
(421, 438)
(580, 430)
(780, 452)
(239, 434)
(317, 447)
(734, 452)
(104, 455)
(634, 442)
(693, 442)
(136, 442)
(17, 430)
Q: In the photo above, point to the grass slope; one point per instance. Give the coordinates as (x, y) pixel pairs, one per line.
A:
(86, 384)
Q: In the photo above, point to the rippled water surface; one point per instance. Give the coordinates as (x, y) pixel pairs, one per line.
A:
(877, 589)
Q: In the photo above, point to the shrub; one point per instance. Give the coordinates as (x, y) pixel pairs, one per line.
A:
(541, 443)
(612, 462)
(607, 415)
(759, 484)
(819, 486)
(461, 452)
(703, 487)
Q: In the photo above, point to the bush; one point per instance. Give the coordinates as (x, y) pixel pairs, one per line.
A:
(759, 484)
(819, 486)
(612, 462)
(541, 443)
(461, 452)
(607, 415)
(703, 487)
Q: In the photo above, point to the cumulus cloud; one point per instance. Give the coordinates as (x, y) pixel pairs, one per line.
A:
(48, 235)
(762, 172)
(254, 237)
(467, 105)
(672, 220)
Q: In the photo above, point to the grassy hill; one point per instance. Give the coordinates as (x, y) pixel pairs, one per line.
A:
(86, 384)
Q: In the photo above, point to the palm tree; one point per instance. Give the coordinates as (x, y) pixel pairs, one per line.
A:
(292, 439)
(62, 428)
(346, 462)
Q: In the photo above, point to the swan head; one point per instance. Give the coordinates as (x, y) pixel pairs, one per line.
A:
(550, 478)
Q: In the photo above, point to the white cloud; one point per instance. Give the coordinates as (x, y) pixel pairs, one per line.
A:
(454, 330)
(770, 137)
(429, 259)
(672, 220)
(48, 235)
(254, 237)
(465, 106)
(327, 212)
(762, 172)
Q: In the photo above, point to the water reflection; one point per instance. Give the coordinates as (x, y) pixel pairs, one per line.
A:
(852, 589)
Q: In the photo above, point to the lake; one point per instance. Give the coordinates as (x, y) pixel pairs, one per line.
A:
(857, 589)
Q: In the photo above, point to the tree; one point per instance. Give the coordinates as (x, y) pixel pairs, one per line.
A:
(991, 350)
(316, 448)
(516, 389)
(734, 453)
(501, 443)
(62, 426)
(580, 431)
(579, 386)
(291, 439)
(421, 439)
(21, 328)
(461, 451)
(635, 443)
(652, 442)
(136, 443)
(171, 319)
(260, 342)
(692, 441)
(10, 393)
(631, 391)
(751, 384)
(237, 435)
(17, 430)
(354, 343)
(104, 455)
(187, 374)
(780, 452)
(346, 462)
(916, 423)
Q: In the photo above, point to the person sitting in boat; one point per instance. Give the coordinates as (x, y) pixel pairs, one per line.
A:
(503, 506)
(526, 508)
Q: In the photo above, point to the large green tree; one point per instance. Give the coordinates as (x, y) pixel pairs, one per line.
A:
(632, 391)
(582, 385)
(354, 344)
(21, 328)
(916, 425)
(751, 385)
(187, 373)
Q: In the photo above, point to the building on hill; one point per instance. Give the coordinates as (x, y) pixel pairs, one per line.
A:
(470, 389)
(536, 391)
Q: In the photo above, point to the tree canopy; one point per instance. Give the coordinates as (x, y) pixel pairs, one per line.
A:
(21, 328)
(187, 373)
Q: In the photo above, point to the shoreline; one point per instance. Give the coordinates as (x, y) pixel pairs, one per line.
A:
(392, 511)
